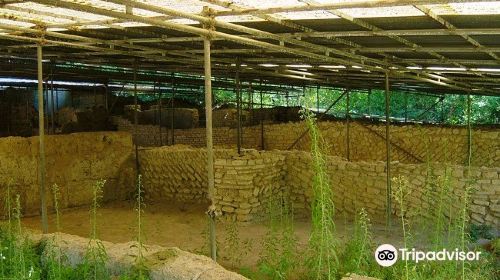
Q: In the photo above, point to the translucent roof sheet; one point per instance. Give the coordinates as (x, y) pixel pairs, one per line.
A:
(82, 16)
(57, 17)
(397, 11)
(472, 8)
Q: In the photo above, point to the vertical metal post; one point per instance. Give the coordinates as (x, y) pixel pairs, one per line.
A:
(317, 99)
(406, 107)
(388, 147)
(286, 96)
(369, 102)
(52, 112)
(469, 132)
(261, 118)
(106, 93)
(348, 126)
(250, 99)
(57, 100)
(95, 95)
(238, 106)
(41, 139)
(443, 117)
(136, 121)
(210, 152)
(172, 109)
(46, 107)
(159, 113)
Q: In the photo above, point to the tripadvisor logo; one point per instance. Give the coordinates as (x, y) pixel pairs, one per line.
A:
(387, 255)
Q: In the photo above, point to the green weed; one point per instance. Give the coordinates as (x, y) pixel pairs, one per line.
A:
(93, 265)
(322, 260)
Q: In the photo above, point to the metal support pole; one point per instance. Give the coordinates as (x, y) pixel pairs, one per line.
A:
(52, 112)
(136, 121)
(210, 151)
(406, 107)
(469, 132)
(238, 106)
(46, 107)
(106, 93)
(159, 113)
(95, 95)
(348, 126)
(250, 99)
(41, 140)
(442, 110)
(317, 99)
(172, 109)
(369, 102)
(388, 147)
(261, 118)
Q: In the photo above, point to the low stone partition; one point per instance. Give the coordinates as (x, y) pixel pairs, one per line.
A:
(245, 183)
(176, 173)
(359, 185)
(73, 161)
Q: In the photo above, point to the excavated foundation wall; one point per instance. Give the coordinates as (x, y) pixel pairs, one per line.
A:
(359, 185)
(410, 143)
(244, 183)
(74, 162)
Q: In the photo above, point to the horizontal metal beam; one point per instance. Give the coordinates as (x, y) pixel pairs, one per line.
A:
(342, 5)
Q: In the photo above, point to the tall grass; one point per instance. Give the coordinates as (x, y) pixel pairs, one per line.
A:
(323, 260)
(93, 265)
(54, 267)
(278, 259)
(141, 269)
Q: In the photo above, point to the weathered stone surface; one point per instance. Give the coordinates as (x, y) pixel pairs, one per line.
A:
(244, 189)
(164, 263)
(447, 144)
(73, 161)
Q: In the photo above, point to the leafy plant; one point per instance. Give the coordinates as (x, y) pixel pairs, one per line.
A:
(279, 257)
(357, 253)
(140, 271)
(93, 265)
(53, 266)
(323, 259)
(235, 248)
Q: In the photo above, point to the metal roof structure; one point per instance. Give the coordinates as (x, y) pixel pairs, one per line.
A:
(432, 45)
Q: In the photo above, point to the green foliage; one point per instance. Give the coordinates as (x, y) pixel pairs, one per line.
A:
(415, 106)
(356, 254)
(93, 265)
(322, 259)
(279, 257)
(141, 270)
(234, 248)
(18, 258)
(477, 232)
(54, 267)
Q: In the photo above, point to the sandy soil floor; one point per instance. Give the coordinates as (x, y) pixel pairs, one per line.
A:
(183, 226)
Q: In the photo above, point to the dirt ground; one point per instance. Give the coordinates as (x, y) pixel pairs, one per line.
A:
(183, 226)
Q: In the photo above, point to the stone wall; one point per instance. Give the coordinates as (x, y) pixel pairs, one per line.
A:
(176, 173)
(244, 183)
(74, 162)
(411, 143)
(359, 185)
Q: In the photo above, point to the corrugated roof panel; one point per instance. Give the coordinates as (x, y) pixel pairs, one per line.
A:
(398, 11)
(472, 8)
